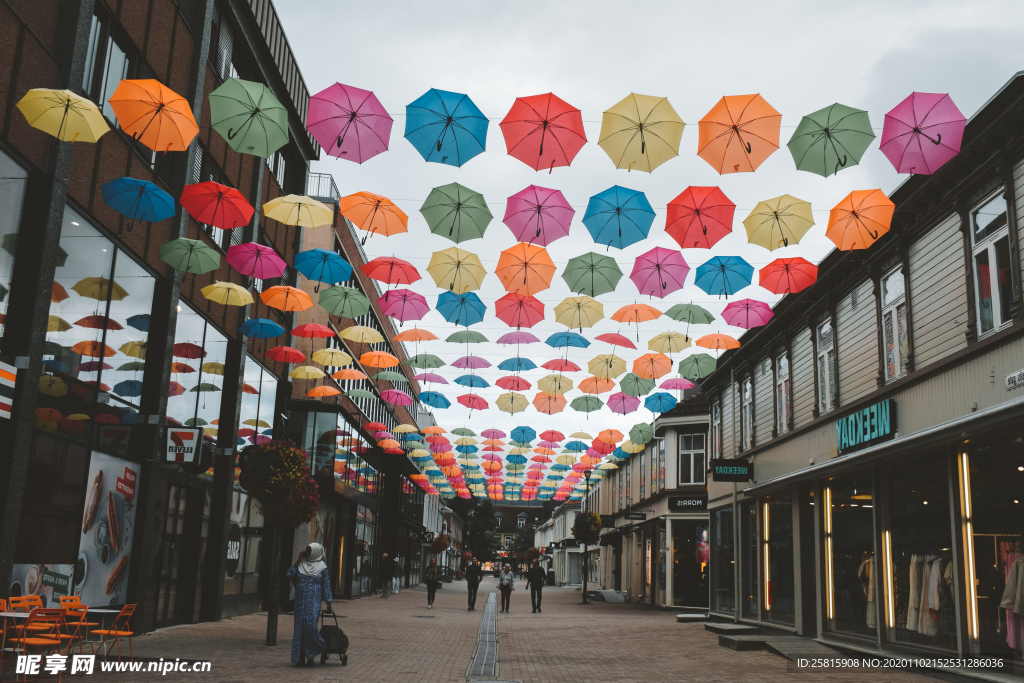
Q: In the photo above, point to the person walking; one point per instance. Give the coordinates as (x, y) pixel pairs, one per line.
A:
(431, 577)
(535, 582)
(506, 584)
(396, 582)
(387, 572)
(312, 586)
(474, 575)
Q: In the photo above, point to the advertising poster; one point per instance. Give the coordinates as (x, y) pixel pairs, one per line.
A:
(108, 528)
(48, 581)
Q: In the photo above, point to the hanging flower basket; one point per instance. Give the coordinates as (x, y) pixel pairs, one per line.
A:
(587, 529)
(276, 474)
(440, 544)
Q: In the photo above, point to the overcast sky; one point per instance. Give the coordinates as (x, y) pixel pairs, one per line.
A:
(800, 56)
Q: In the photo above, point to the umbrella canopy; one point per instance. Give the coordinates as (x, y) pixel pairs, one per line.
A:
(227, 293)
(471, 363)
(472, 381)
(511, 402)
(747, 313)
(331, 358)
(690, 314)
(425, 360)
(445, 127)
(519, 310)
(592, 274)
(615, 339)
(524, 434)
(543, 131)
(285, 298)
(778, 222)
(606, 366)
(618, 217)
(549, 404)
(389, 376)
(188, 350)
(586, 404)
(622, 403)
(456, 212)
(99, 288)
(596, 385)
(538, 215)
(579, 312)
(831, 139)
(652, 365)
(396, 397)
(391, 270)
(359, 393)
(641, 433)
(155, 115)
(636, 313)
(255, 260)
(57, 324)
(374, 214)
(676, 384)
(641, 132)
(461, 309)
(134, 349)
(205, 387)
(217, 205)
(566, 340)
(349, 123)
(668, 342)
(466, 337)
(285, 354)
(249, 117)
(181, 368)
(130, 388)
(307, 372)
(659, 272)
(517, 337)
(322, 266)
(323, 390)
(513, 383)
(922, 133)
(293, 209)
(189, 256)
(456, 270)
(718, 342)
(53, 386)
(139, 200)
(634, 385)
(360, 334)
(860, 219)
(738, 134)
(555, 384)
(415, 335)
(348, 374)
(660, 402)
(516, 364)
(378, 359)
(434, 399)
(525, 269)
(403, 304)
(788, 275)
(93, 349)
(64, 115)
(344, 302)
(699, 217)
(724, 275)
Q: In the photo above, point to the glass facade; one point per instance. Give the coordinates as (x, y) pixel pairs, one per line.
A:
(197, 373)
(364, 551)
(850, 555)
(750, 560)
(723, 588)
(779, 604)
(690, 562)
(13, 180)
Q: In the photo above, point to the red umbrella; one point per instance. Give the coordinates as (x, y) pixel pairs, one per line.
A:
(472, 401)
(788, 275)
(313, 330)
(615, 340)
(552, 435)
(404, 304)
(108, 419)
(543, 131)
(602, 447)
(285, 354)
(97, 322)
(88, 388)
(699, 217)
(246, 431)
(561, 365)
(217, 205)
(175, 389)
(519, 310)
(248, 389)
(379, 427)
(513, 383)
(188, 350)
(393, 271)
(747, 313)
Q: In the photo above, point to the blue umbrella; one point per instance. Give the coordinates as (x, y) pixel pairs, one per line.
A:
(724, 275)
(434, 399)
(472, 381)
(445, 127)
(619, 217)
(566, 339)
(660, 402)
(577, 446)
(139, 322)
(461, 309)
(619, 454)
(129, 387)
(524, 434)
(139, 200)
(466, 449)
(516, 364)
(129, 418)
(261, 328)
(267, 432)
(323, 266)
(57, 365)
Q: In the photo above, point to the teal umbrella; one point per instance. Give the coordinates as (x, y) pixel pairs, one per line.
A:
(592, 274)
(189, 256)
(466, 337)
(344, 302)
(456, 212)
(425, 360)
(831, 139)
(697, 366)
(249, 117)
(634, 385)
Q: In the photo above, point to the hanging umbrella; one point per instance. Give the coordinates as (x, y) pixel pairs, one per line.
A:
(307, 372)
(64, 115)
(668, 342)
(513, 383)
(403, 304)
(724, 275)
(860, 219)
(57, 291)
(57, 365)
(606, 366)
(249, 117)
(660, 402)
(525, 269)
(456, 270)
(217, 205)
(129, 388)
(396, 397)
(596, 385)
(831, 139)
(138, 200)
(641, 433)
(93, 349)
(255, 260)
(517, 337)
(697, 366)
(517, 364)
(285, 298)
(456, 212)
(747, 313)
(175, 389)
(313, 330)
(323, 390)
(461, 309)
(348, 374)
(554, 384)
(466, 337)
(738, 134)
(134, 349)
(425, 360)
(636, 314)
(205, 387)
(379, 359)
(778, 222)
(618, 217)
(586, 404)
(788, 275)
(538, 215)
(153, 114)
(623, 404)
(519, 310)
(100, 289)
(472, 381)
(718, 342)
(227, 293)
(434, 399)
(52, 386)
(699, 217)
(261, 328)
(299, 210)
(922, 133)
(659, 272)
(391, 270)
(566, 340)
(94, 366)
(549, 404)
(323, 266)
(677, 384)
(634, 385)
(344, 302)
(182, 368)
(690, 314)
(359, 393)
(472, 401)
(285, 354)
(188, 350)
(415, 335)
(374, 214)
(471, 363)
(331, 358)
(57, 324)
(592, 274)
(641, 132)
(543, 131)
(579, 312)
(652, 365)
(349, 123)
(189, 256)
(360, 334)
(615, 339)
(445, 127)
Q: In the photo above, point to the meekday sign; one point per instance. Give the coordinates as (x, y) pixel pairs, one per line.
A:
(867, 427)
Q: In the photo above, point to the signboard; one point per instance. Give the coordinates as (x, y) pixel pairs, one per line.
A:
(114, 438)
(636, 515)
(867, 427)
(607, 521)
(182, 443)
(59, 583)
(234, 550)
(696, 502)
(732, 470)
(8, 375)
(1015, 380)
(427, 536)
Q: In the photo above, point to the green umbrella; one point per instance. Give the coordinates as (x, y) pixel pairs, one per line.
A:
(463, 431)
(133, 366)
(456, 212)
(691, 314)
(205, 386)
(592, 274)
(697, 366)
(10, 245)
(520, 444)
(831, 139)
(425, 360)
(389, 376)
(359, 393)
(634, 385)
(641, 433)
(466, 337)
(344, 302)
(249, 117)
(195, 422)
(586, 404)
(189, 256)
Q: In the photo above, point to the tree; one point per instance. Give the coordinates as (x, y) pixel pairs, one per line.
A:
(524, 542)
(481, 538)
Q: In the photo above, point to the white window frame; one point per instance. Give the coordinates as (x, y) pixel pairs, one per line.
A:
(716, 430)
(891, 326)
(987, 245)
(747, 411)
(686, 461)
(826, 361)
(783, 409)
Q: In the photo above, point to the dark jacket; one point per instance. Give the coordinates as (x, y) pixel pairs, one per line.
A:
(474, 575)
(536, 577)
(387, 569)
(430, 576)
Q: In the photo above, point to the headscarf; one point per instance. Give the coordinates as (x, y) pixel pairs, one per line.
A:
(314, 564)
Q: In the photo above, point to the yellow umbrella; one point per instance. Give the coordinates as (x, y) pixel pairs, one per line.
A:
(400, 429)
(57, 324)
(466, 441)
(555, 384)
(307, 372)
(630, 447)
(52, 386)
(295, 209)
(520, 450)
(566, 459)
(456, 270)
(579, 312)
(213, 368)
(778, 222)
(253, 422)
(332, 357)
(580, 435)
(641, 132)
(98, 288)
(511, 403)
(669, 342)
(227, 293)
(210, 431)
(607, 466)
(134, 349)
(361, 335)
(63, 114)
(606, 366)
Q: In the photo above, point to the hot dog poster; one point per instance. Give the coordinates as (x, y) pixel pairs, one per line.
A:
(108, 528)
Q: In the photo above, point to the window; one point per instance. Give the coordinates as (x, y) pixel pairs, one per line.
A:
(106, 64)
(850, 568)
(991, 249)
(747, 412)
(497, 516)
(661, 465)
(894, 324)
(197, 373)
(620, 488)
(778, 588)
(716, 430)
(13, 180)
(643, 470)
(691, 459)
(782, 405)
(826, 368)
(723, 577)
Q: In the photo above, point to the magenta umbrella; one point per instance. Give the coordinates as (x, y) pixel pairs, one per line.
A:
(471, 363)
(623, 403)
(747, 313)
(431, 377)
(659, 272)
(255, 260)
(518, 337)
(549, 444)
(383, 435)
(492, 434)
(349, 123)
(403, 304)
(676, 384)
(922, 132)
(440, 447)
(538, 215)
(397, 397)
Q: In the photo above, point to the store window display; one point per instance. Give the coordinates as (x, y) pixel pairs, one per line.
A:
(780, 603)
(850, 554)
(723, 592)
(197, 374)
(750, 543)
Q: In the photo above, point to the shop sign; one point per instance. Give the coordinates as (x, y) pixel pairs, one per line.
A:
(234, 551)
(114, 438)
(427, 536)
(182, 444)
(636, 515)
(732, 470)
(607, 521)
(692, 503)
(60, 583)
(1015, 380)
(867, 427)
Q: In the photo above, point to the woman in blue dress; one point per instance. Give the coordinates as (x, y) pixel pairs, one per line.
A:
(312, 586)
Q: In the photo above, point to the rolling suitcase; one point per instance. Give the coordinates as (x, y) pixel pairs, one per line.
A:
(335, 640)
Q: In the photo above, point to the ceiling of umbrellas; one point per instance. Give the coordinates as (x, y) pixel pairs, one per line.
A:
(640, 132)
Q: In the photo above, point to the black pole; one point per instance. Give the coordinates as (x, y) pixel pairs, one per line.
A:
(274, 590)
(586, 473)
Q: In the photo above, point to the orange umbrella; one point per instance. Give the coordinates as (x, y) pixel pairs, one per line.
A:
(860, 219)
(48, 415)
(94, 349)
(738, 134)
(58, 293)
(182, 367)
(525, 269)
(285, 298)
(323, 391)
(611, 435)
(718, 342)
(652, 365)
(542, 451)
(348, 373)
(415, 335)
(491, 466)
(636, 313)
(549, 404)
(389, 443)
(378, 359)
(155, 115)
(433, 430)
(373, 213)
(595, 385)
(492, 442)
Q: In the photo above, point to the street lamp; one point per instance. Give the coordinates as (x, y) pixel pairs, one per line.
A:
(586, 474)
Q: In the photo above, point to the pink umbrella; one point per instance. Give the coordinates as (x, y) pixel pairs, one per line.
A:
(518, 337)
(397, 397)
(538, 215)
(922, 132)
(349, 123)
(548, 444)
(615, 340)
(623, 403)
(513, 383)
(261, 439)
(659, 272)
(440, 447)
(255, 260)
(403, 304)
(493, 434)
(472, 401)
(471, 363)
(747, 313)
(676, 384)
(431, 377)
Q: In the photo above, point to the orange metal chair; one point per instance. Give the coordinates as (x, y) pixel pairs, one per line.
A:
(41, 632)
(118, 629)
(76, 619)
(25, 603)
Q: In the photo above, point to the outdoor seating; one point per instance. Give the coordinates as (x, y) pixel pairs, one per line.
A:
(119, 629)
(41, 634)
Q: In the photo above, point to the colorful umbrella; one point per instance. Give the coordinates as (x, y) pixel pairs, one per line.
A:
(472, 401)
(293, 209)
(516, 364)
(692, 314)
(139, 200)
(543, 123)
(389, 376)
(322, 266)
(175, 389)
(668, 342)
(445, 127)
(360, 334)
(188, 350)
(517, 337)
(456, 270)
(227, 293)
(348, 374)
(538, 215)
(659, 272)
(592, 274)
(831, 139)
(718, 342)
(285, 354)
(471, 363)
(472, 381)
(93, 349)
(554, 384)
(99, 288)
(217, 205)
(738, 134)
(134, 349)
(466, 337)
(261, 328)
(652, 365)
(788, 275)
(331, 358)
(181, 368)
(513, 383)
(255, 260)
(634, 385)
(636, 314)
(129, 388)
(53, 386)
(374, 214)
(860, 219)
(699, 217)
(596, 385)
(249, 117)
(425, 360)
(549, 404)
(380, 359)
(566, 340)
(579, 312)
(606, 366)
(778, 222)
(677, 384)
(391, 270)
(434, 399)
(403, 304)
(461, 309)
(623, 404)
(189, 256)
(396, 397)
(586, 404)
(456, 212)
(313, 330)
(615, 339)
(922, 133)
(344, 302)
(747, 313)
(618, 217)
(155, 115)
(285, 298)
(641, 132)
(57, 324)
(518, 310)
(415, 335)
(349, 123)
(323, 390)
(63, 114)
(724, 275)
(525, 269)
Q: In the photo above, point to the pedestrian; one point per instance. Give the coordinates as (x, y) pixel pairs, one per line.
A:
(535, 582)
(387, 572)
(312, 586)
(506, 584)
(396, 582)
(474, 575)
(431, 577)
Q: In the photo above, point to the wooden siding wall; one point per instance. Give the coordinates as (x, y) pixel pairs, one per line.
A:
(728, 443)
(938, 293)
(803, 377)
(858, 343)
(1018, 184)
(764, 408)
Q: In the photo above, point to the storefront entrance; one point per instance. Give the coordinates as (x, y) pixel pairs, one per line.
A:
(183, 525)
(690, 563)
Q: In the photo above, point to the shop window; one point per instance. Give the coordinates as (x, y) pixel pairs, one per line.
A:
(783, 409)
(894, 324)
(197, 374)
(991, 249)
(850, 569)
(661, 464)
(106, 63)
(365, 550)
(826, 368)
(690, 562)
(723, 588)
(779, 591)
(747, 412)
(244, 547)
(621, 475)
(13, 180)
(716, 430)
(691, 459)
(643, 470)
(750, 538)
(259, 395)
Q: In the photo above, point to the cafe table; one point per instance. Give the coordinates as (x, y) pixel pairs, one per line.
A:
(5, 616)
